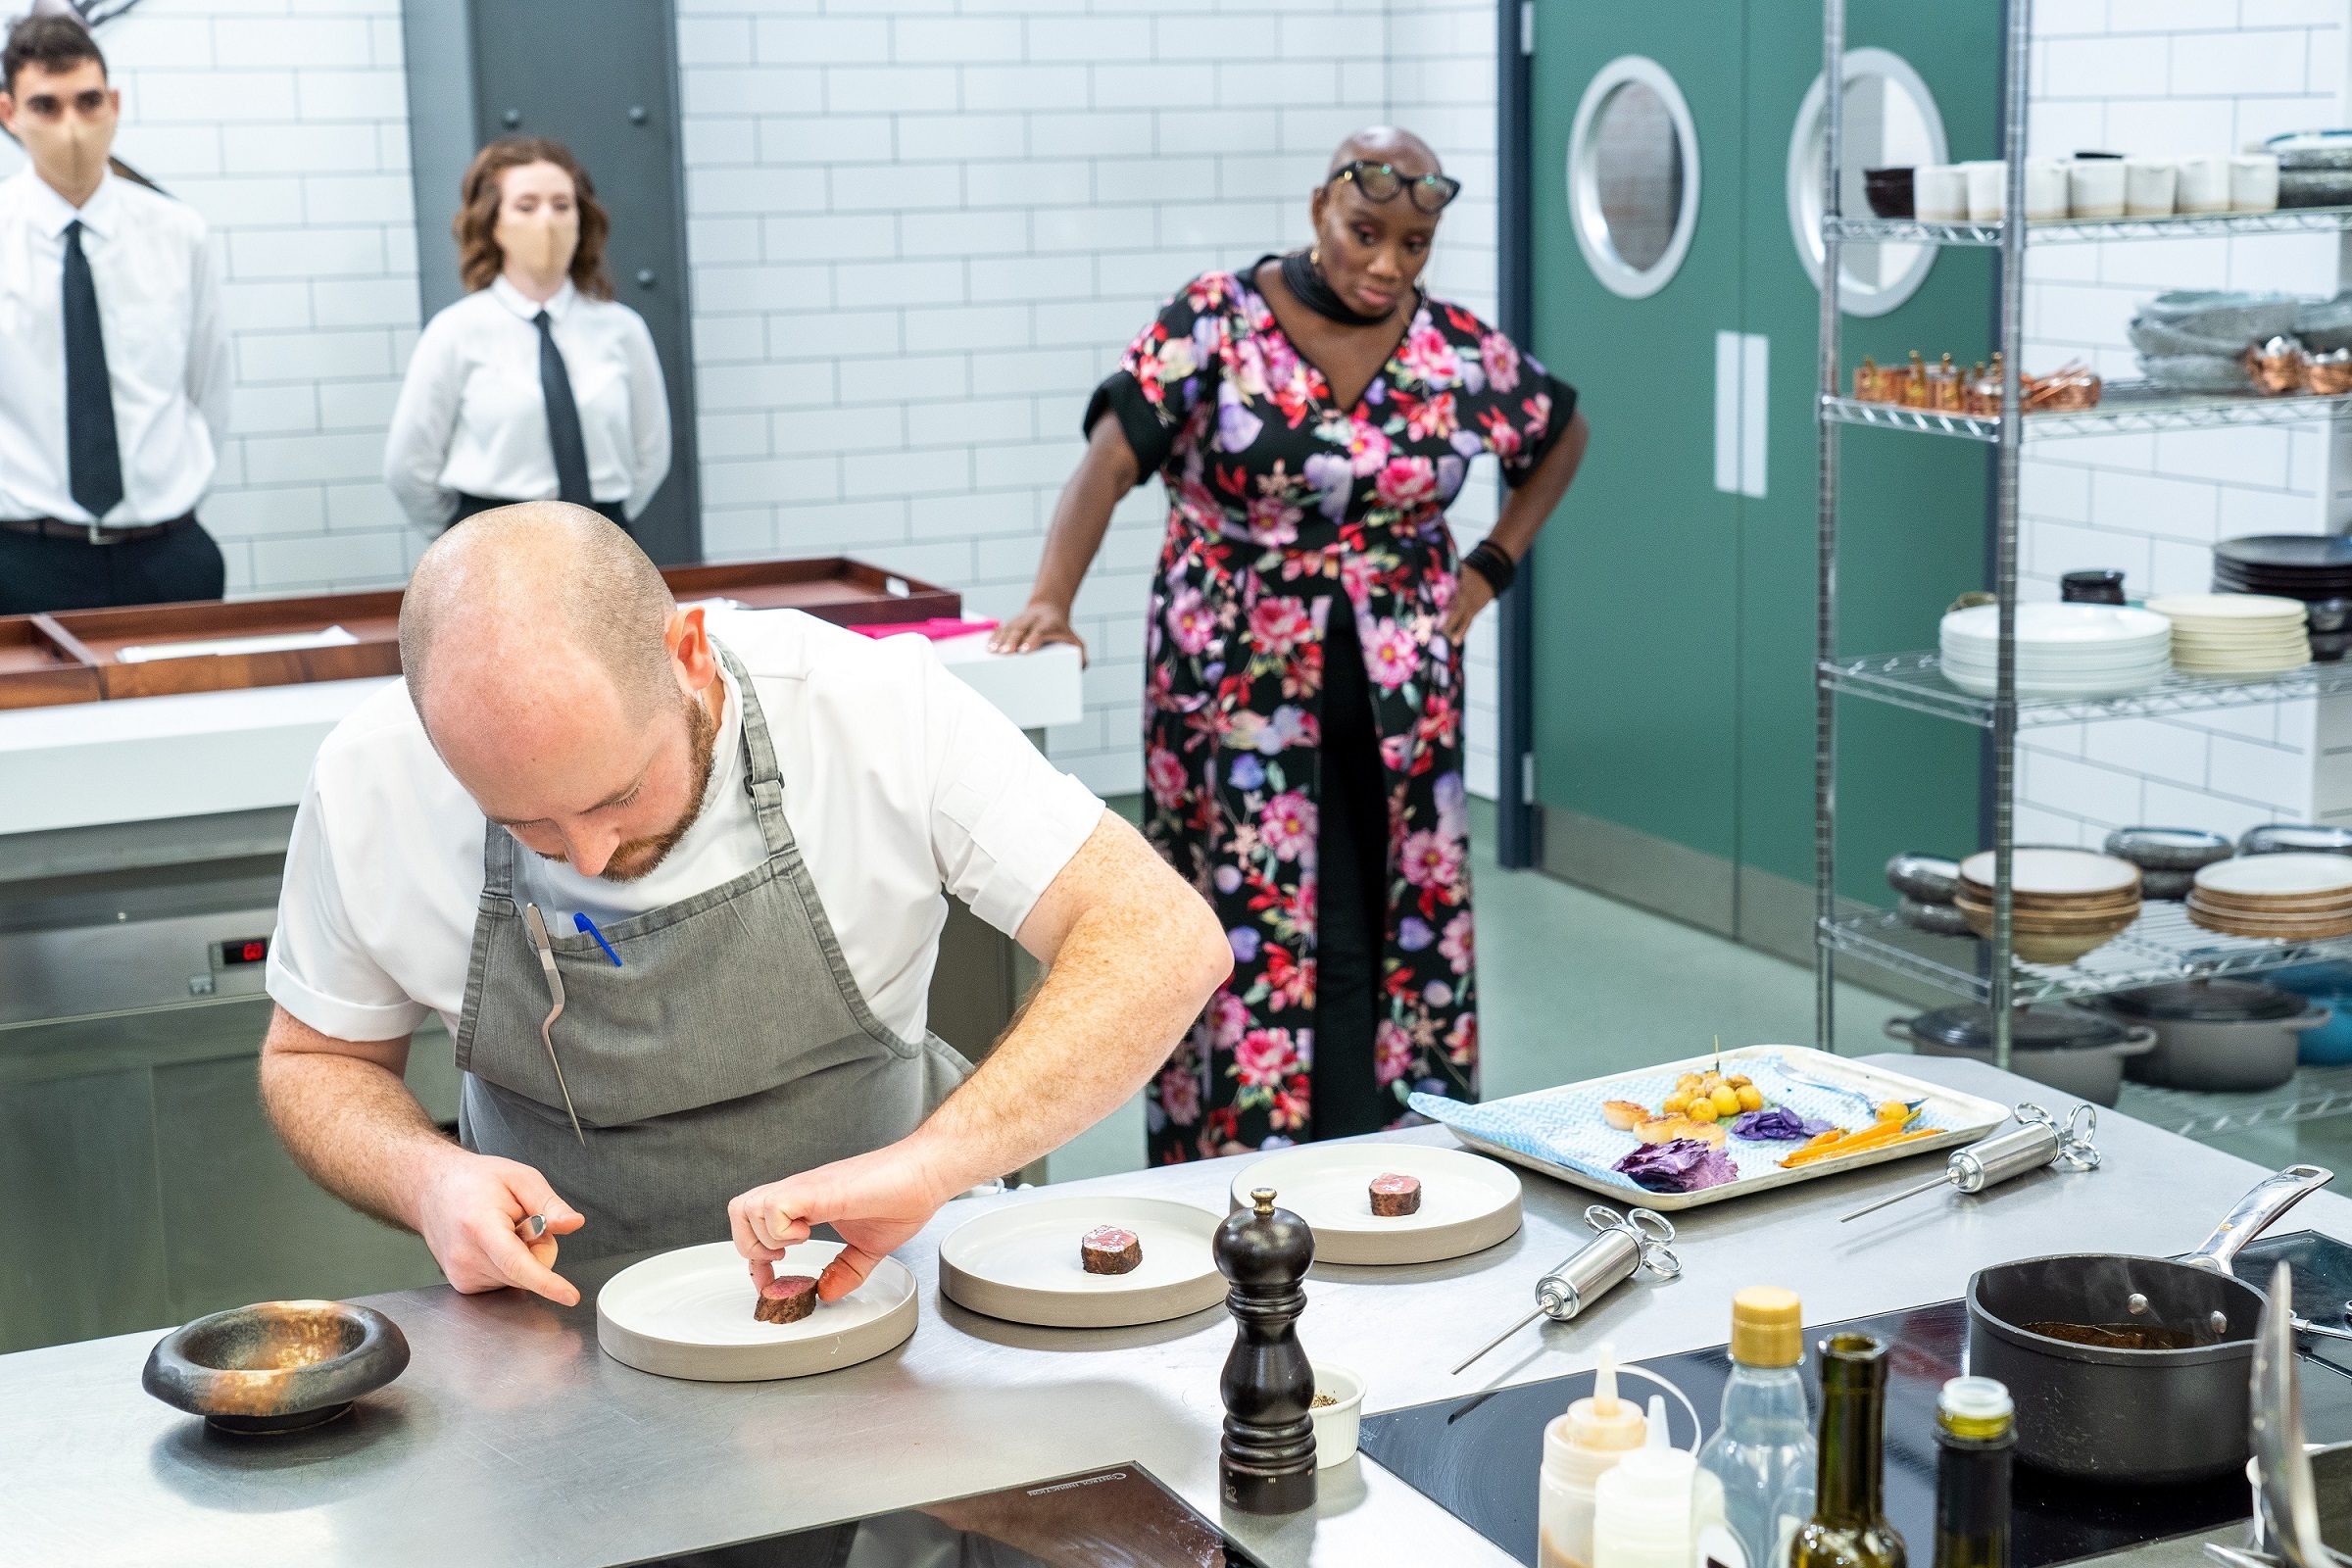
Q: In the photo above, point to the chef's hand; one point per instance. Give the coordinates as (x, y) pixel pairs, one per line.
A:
(1038, 625)
(1472, 593)
(467, 1214)
(873, 1203)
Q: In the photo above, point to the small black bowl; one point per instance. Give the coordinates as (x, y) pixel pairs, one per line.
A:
(280, 1367)
(1890, 192)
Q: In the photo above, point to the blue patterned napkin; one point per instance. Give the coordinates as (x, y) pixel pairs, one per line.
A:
(1565, 1126)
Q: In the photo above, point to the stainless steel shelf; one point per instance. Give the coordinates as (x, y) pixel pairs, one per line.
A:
(2160, 946)
(1916, 680)
(2060, 230)
(2312, 1094)
(2125, 407)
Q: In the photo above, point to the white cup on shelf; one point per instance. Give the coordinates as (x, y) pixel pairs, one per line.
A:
(1940, 193)
(1987, 190)
(2046, 190)
(2149, 187)
(2254, 183)
(2202, 185)
(2095, 187)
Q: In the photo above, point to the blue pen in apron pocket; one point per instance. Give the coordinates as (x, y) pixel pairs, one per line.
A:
(580, 922)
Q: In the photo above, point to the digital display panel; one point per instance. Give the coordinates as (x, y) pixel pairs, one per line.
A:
(238, 952)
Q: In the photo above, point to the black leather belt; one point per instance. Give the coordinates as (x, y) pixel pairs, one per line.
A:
(92, 533)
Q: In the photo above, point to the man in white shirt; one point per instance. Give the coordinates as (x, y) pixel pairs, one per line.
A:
(675, 882)
(114, 355)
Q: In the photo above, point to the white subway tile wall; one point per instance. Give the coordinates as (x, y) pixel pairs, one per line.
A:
(919, 240)
(2176, 77)
(285, 123)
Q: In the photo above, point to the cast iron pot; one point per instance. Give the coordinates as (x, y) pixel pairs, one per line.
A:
(2136, 1416)
(2224, 1035)
(2074, 1050)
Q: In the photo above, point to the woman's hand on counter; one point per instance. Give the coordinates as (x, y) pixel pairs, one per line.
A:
(468, 1213)
(1038, 625)
(1472, 593)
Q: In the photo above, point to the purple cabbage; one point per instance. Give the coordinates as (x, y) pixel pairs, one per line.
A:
(1682, 1166)
(1779, 1125)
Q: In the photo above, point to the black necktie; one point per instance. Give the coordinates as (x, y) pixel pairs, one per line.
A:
(563, 418)
(93, 463)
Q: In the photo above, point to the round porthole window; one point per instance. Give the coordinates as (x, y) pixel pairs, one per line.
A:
(1890, 121)
(1633, 176)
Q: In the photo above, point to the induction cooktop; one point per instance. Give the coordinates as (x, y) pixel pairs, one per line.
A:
(1117, 1517)
(1478, 1457)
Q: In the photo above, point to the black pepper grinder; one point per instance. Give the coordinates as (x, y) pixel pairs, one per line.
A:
(1266, 1463)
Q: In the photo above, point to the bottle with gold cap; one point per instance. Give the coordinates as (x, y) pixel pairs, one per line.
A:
(1578, 1448)
(1764, 1451)
(1975, 1428)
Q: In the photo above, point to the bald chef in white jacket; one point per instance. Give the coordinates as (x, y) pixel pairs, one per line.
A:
(727, 839)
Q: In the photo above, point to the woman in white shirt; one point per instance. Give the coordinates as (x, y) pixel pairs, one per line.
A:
(538, 385)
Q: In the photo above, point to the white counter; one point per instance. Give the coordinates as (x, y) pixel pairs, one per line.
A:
(85, 765)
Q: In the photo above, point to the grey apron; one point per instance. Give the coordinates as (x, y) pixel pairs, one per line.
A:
(731, 1048)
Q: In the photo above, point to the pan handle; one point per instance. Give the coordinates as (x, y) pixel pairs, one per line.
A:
(2255, 1213)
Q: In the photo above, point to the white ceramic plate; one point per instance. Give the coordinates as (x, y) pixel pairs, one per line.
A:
(2031, 668)
(688, 1314)
(2062, 872)
(2227, 607)
(2253, 875)
(1019, 1262)
(1563, 1132)
(2087, 686)
(1467, 1204)
(2043, 622)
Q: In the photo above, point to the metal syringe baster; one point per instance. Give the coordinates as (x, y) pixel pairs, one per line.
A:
(1624, 1245)
(2037, 1141)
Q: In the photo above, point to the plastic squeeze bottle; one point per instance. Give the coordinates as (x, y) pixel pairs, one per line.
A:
(1578, 1448)
(1643, 1515)
(1764, 1453)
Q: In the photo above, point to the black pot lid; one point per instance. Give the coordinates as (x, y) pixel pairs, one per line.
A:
(1970, 1026)
(2207, 1002)
(2322, 550)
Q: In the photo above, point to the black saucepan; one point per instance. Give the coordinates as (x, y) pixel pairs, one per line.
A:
(2127, 1414)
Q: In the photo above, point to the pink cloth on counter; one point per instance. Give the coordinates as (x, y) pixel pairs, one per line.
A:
(936, 628)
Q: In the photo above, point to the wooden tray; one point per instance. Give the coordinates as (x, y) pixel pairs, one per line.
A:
(41, 667)
(1577, 1144)
(73, 655)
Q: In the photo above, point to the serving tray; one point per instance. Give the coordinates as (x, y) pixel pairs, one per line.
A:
(1561, 1132)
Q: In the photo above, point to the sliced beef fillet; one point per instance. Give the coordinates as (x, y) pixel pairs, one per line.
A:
(1108, 1250)
(1395, 1197)
(786, 1300)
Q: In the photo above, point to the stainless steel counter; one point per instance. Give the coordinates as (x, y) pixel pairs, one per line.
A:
(513, 1440)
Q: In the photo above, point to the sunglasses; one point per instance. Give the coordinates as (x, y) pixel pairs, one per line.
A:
(1380, 183)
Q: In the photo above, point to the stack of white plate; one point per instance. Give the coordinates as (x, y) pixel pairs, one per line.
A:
(2062, 650)
(2295, 897)
(2236, 635)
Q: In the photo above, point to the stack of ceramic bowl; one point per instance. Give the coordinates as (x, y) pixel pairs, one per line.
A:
(2314, 567)
(2062, 650)
(2168, 858)
(2063, 903)
(2293, 897)
(2236, 635)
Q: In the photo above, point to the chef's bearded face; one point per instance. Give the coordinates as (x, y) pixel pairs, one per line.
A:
(66, 120)
(538, 220)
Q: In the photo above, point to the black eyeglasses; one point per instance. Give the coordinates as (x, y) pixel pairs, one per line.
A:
(1381, 182)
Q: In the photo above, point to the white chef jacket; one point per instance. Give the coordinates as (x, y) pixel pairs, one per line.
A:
(472, 417)
(166, 348)
(899, 779)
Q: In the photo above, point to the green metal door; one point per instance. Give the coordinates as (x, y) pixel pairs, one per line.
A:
(1674, 599)
(1636, 620)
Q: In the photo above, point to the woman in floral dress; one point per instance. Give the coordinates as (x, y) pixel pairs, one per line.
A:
(1311, 418)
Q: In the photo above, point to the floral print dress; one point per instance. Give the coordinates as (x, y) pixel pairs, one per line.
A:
(1283, 510)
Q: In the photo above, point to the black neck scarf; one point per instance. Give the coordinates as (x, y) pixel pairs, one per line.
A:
(1309, 287)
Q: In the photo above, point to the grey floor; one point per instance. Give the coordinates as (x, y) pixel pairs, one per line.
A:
(1572, 985)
